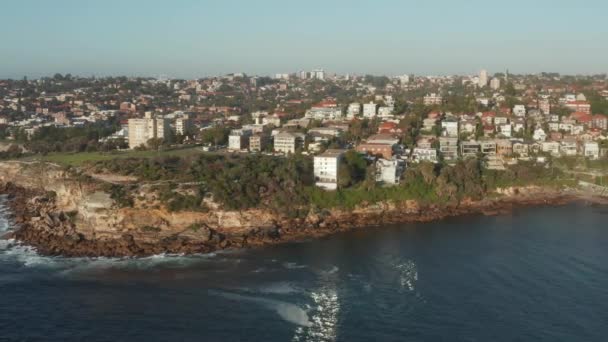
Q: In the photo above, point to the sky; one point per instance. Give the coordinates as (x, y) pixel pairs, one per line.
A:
(197, 38)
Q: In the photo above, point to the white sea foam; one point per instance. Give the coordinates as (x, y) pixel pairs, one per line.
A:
(408, 275)
(279, 288)
(332, 270)
(287, 311)
(293, 266)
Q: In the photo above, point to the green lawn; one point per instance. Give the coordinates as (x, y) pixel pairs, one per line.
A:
(76, 159)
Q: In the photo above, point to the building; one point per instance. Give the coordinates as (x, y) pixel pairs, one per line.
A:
(354, 110)
(544, 105)
(568, 147)
(600, 121)
(288, 142)
(389, 171)
(326, 168)
(258, 142)
(183, 125)
(449, 127)
(370, 110)
(521, 149)
(469, 148)
(318, 74)
(239, 139)
(579, 106)
(539, 134)
(505, 130)
(386, 111)
(448, 146)
(375, 149)
(141, 130)
(495, 83)
(488, 148)
(432, 99)
(424, 154)
(504, 147)
(383, 138)
(551, 147)
(591, 150)
(324, 113)
(273, 120)
(483, 78)
(519, 110)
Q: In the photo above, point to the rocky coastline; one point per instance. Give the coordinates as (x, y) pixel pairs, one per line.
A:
(53, 231)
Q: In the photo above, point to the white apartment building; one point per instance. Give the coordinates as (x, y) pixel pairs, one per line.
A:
(149, 127)
(389, 171)
(449, 128)
(239, 139)
(432, 99)
(495, 83)
(183, 125)
(592, 150)
(318, 74)
(483, 78)
(386, 111)
(326, 168)
(550, 147)
(354, 109)
(519, 110)
(324, 113)
(287, 142)
(424, 154)
(370, 110)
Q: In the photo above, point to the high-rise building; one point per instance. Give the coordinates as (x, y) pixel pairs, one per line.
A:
(483, 78)
(495, 83)
(318, 74)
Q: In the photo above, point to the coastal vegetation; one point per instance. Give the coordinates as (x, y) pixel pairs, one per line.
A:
(286, 184)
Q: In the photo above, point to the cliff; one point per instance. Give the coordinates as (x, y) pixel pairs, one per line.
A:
(61, 212)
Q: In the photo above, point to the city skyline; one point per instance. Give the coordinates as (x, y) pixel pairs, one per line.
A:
(191, 39)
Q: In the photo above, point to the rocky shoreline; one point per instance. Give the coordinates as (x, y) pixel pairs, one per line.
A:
(52, 232)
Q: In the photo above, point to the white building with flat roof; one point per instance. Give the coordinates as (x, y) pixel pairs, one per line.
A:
(239, 139)
(149, 127)
(326, 167)
(354, 109)
(389, 171)
(370, 110)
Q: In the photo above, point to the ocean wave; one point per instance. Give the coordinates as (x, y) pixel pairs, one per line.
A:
(287, 311)
(293, 266)
(323, 315)
(332, 270)
(279, 288)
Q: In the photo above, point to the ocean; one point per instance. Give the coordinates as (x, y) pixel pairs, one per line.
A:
(538, 274)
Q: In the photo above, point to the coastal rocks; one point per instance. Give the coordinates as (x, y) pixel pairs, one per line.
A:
(65, 217)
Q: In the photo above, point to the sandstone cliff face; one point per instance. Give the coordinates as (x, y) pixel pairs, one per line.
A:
(94, 216)
(61, 212)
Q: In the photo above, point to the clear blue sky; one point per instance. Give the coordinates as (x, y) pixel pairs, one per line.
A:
(193, 38)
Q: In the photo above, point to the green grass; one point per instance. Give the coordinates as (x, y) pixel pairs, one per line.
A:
(77, 159)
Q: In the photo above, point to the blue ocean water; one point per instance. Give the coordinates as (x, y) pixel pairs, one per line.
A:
(539, 274)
